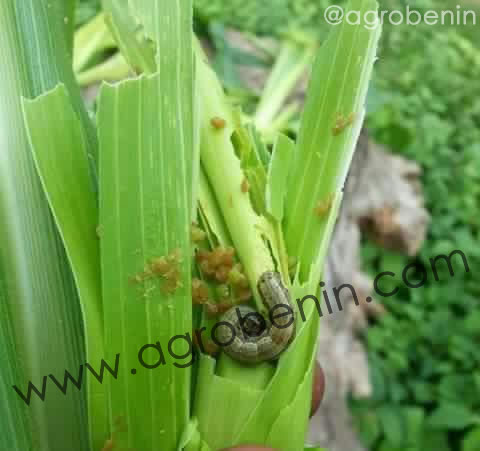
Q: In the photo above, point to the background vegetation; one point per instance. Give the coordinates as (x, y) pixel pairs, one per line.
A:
(424, 355)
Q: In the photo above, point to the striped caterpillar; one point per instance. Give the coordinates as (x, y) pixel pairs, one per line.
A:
(252, 339)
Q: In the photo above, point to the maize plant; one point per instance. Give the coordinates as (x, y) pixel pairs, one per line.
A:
(131, 235)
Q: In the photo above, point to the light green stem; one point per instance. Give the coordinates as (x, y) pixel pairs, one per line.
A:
(225, 174)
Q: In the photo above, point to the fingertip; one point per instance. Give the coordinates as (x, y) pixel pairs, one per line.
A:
(318, 388)
(249, 448)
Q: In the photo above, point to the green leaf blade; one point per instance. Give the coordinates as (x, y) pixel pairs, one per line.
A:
(278, 170)
(146, 170)
(60, 153)
(330, 126)
(38, 290)
(143, 218)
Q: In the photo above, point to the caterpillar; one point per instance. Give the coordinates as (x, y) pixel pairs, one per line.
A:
(252, 339)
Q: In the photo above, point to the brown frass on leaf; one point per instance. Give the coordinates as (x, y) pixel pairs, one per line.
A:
(218, 123)
(342, 122)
